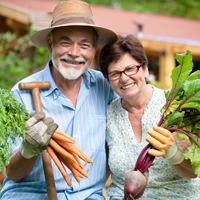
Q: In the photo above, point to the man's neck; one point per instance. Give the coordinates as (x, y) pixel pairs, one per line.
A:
(70, 88)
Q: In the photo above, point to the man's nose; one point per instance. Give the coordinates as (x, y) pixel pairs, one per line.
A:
(74, 50)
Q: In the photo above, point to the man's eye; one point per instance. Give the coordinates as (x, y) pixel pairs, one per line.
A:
(85, 45)
(64, 43)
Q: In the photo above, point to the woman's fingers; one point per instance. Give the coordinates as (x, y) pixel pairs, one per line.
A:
(156, 153)
(155, 143)
(162, 139)
(164, 132)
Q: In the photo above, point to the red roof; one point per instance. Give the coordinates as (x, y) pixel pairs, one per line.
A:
(156, 27)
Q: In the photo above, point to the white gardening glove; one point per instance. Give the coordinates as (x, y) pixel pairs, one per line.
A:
(39, 129)
(164, 143)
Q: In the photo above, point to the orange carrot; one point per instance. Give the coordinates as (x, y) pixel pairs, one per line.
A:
(62, 138)
(2, 177)
(79, 169)
(61, 151)
(76, 166)
(78, 161)
(65, 135)
(85, 157)
(59, 165)
(75, 150)
(74, 171)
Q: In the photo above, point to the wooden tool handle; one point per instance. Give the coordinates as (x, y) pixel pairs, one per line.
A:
(48, 171)
(36, 99)
(34, 84)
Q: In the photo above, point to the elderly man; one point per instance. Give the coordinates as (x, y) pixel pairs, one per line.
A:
(77, 100)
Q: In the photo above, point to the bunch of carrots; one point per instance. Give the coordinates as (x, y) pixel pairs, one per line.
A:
(63, 151)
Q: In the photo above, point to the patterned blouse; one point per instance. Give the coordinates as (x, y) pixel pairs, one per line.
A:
(163, 182)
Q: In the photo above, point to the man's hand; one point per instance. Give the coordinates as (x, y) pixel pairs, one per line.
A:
(164, 143)
(39, 129)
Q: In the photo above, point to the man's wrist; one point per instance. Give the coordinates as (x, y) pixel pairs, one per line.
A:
(29, 151)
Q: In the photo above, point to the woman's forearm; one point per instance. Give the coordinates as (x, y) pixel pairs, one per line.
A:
(184, 170)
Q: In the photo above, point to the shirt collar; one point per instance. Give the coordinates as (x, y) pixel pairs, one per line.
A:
(48, 75)
(89, 78)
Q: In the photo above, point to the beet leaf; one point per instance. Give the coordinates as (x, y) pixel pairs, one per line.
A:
(181, 113)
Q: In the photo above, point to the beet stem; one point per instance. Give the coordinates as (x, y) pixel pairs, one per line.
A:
(186, 133)
(187, 100)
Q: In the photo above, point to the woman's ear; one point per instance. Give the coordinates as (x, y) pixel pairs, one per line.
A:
(146, 72)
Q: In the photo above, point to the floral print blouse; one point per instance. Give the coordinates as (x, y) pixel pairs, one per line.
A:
(163, 182)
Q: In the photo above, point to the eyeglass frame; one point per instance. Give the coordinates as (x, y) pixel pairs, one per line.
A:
(123, 71)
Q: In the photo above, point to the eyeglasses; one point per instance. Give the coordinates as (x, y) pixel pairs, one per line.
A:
(129, 71)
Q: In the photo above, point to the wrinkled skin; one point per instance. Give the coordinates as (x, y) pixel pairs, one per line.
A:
(135, 184)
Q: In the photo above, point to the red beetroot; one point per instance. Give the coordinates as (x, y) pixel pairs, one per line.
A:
(135, 183)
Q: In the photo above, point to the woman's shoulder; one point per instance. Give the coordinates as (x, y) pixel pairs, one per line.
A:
(114, 107)
(115, 104)
(158, 94)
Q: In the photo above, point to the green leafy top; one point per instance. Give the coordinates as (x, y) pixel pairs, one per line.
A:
(12, 124)
(181, 113)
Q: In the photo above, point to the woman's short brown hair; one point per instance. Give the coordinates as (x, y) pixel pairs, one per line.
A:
(112, 52)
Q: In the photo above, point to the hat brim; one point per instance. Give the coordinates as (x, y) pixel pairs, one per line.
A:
(105, 36)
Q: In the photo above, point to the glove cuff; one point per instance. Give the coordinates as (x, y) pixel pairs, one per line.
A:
(174, 155)
(28, 151)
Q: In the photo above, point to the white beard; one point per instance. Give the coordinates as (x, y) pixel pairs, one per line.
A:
(68, 73)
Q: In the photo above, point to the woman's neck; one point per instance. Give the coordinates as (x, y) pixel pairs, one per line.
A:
(139, 102)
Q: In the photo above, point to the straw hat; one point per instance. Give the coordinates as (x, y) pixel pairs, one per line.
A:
(73, 13)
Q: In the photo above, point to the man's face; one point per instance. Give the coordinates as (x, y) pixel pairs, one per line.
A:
(72, 50)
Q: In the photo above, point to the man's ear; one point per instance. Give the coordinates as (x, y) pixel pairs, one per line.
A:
(49, 43)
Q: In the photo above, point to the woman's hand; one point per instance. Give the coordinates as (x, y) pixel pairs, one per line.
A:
(164, 143)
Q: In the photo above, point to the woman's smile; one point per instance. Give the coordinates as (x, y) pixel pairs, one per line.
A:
(127, 86)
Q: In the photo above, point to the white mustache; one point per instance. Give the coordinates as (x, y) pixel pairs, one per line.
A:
(71, 59)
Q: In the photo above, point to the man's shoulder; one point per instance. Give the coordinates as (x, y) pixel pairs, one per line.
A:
(37, 76)
(96, 76)
(95, 73)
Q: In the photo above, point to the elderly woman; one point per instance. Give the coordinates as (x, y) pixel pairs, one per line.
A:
(130, 117)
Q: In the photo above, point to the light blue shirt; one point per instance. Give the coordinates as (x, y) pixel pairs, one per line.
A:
(85, 123)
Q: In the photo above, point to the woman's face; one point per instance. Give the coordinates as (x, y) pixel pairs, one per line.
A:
(127, 86)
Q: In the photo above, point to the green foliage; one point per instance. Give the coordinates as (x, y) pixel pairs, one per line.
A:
(19, 58)
(12, 124)
(181, 8)
(182, 110)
